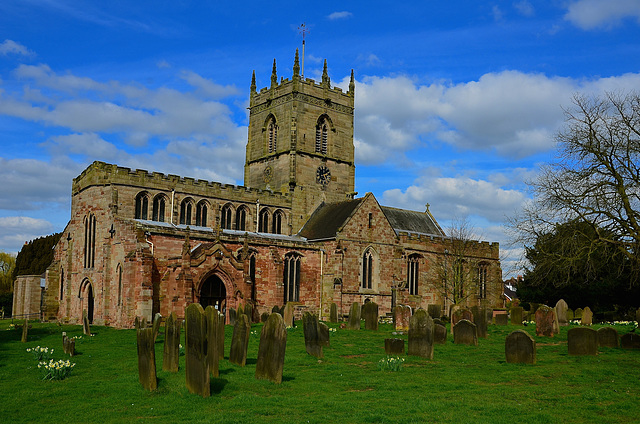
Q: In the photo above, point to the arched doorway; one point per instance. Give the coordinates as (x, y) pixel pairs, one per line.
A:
(214, 293)
(89, 291)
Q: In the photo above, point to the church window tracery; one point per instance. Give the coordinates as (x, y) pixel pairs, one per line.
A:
(413, 273)
(158, 208)
(201, 213)
(263, 221)
(142, 205)
(186, 208)
(225, 217)
(322, 136)
(482, 280)
(89, 241)
(272, 134)
(291, 278)
(241, 218)
(276, 227)
(367, 269)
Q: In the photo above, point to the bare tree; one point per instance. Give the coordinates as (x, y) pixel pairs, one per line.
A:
(596, 179)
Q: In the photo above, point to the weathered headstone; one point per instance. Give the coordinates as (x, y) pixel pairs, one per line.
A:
(582, 341)
(520, 348)
(323, 334)
(489, 316)
(401, 316)
(140, 322)
(248, 311)
(240, 341)
(277, 310)
(460, 314)
(630, 341)
(570, 316)
(502, 318)
(370, 311)
(171, 352)
(239, 311)
(86, 329)
(232, 316)
(157, 319)
(211, 316)
(577, 314)
(480, 320)
(264, 317)
(439, 334)
(545, 321)
(68, 345)
(147, 359)
(333, 313)
(196, 364)
(273, 343)
(394, 346)
(561, 311)
(608, 337)
(434, 311)
(465, 332)
(354, 317)
(516, 315)
(311, 335)
(288, 315)
(587, 317)
(25, 331)
(421, 335)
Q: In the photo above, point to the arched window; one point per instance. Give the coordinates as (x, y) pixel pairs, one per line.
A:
(291, 278)
(241, 218)
(61, 284)
(272, 135)
(159, 203)
(458, 280)
(119, 273)
(263, 221)
(276, 225)
(482, 280)
(252, 275)
(186, 208)
(413, 273)
(225, 217)
(142, 205)
(322, 134)
(367, 269)
(201, 214)
(89, 241)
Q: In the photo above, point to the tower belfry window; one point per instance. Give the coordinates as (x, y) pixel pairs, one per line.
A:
(322, 135)
(273, 136)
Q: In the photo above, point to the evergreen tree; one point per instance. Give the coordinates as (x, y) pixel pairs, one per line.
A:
(36, 255)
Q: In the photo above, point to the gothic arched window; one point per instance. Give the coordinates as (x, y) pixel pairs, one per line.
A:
(322, 135)
(272, 135)
(413, 273)
(201, 213)
(367, 269)
(186, 208)
(142, 205)
(159, 203)
(263, 221)
(225, 217)
(241, 218)
(291, 277)
(482, 280)
(276, 227)
(89, 241)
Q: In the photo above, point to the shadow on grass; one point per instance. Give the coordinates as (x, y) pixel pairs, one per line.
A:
(226, 371)
(217, 385)
(287, 378)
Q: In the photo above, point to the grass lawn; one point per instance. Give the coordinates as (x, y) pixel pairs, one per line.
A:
(461, 383)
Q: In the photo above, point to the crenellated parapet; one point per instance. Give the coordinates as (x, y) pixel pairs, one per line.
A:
(480, 249)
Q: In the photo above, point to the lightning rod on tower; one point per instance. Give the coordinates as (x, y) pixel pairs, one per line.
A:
(302, 29)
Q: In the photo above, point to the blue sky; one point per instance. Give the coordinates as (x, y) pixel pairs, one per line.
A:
(457, 103)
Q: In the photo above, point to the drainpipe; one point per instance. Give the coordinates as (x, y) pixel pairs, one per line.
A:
(257, 215)
(146, 238)
(173, 196)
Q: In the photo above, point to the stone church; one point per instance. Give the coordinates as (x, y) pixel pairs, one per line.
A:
(141, 242)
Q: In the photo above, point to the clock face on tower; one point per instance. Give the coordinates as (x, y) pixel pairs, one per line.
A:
(323, 175)
(267, 175)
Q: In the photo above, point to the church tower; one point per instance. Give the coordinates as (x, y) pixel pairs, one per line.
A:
(301, 141)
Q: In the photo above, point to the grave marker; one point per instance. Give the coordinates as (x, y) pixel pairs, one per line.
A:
(333, 313)
(545, 321)
(211, 317)
(587, 317)
(421, 335)
(630, 341)
(196, 364)
(434, 311)
(582, 341)
(502, 318)
(354, 317)
(171, 352)
(273, 343)
(311, 335)
(465, 332)
(25, 331)
(288, 315)
(439, 334)
(608, 337)
(561, 311)
(516, 315)
(401, 317)
(232, 316)
(370, 312)
(520, 348)
(157, 319)
(394, 347)
(323, 334)
(86, 329)
(147, 359)
(480, 320)
(240, 341)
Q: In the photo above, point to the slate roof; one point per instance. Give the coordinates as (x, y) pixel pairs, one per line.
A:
(403, 220)
(328, 219)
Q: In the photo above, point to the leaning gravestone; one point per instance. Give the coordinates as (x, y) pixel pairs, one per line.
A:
(171, 352)
(288, 315)
(354, 317)
(157, 319)
(587, 317)
(196, 364)
(401, 316)
(240, 341)
(273, 343)
(333, 313)
(211, 317)
(582, 341)
(434, 311)
(480, 320)
(545, 321)
(394, 346)
(608, 337)
(465, 332)
(147, 359)
(323, 334)
(232, 316)
(248, 311)
(311, 335)
(370, 312)
(86, 329)
(421, 335)
(439, 334)
(516, 315)
(25, 331)
(502, 318)
(520, 348)
(561, 311)
(630, 341)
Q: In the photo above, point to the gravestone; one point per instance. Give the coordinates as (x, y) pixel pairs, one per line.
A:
(277, 310)
(570, 316)
(438, 321)
(264, 317)
(577, 314)
(196, 364)
(516, 315)
(587, 317)
(171, 352)
(502, 318)
(489, 316)
(140, 322)
(354, 317)
(439, 334)
(638, 316)
(582, 341)
(221, 336)
(465, 332)
(520, 348)
(401, 316)
(25, 331)
(311, 336)
(157, 319)
(147, 359)
(68, 345)
(333, 313)
(461, 313)
(434, 311)
(630, 341)
(370, 312)
(394, 346)
(480, 320)
(561, 311)
(288, 315)
(545, 321)
(86, 329)
(211, 317)
(239, 311)
(240, 341)
(323, 334)
(232, 316)
(273, 343)
(248, 311)
(608, 337)
(421, 335)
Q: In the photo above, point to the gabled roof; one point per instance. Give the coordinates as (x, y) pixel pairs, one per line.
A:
(403, 220)
(327, 220)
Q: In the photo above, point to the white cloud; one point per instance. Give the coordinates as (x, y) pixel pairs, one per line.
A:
(208, 87)
(16, 230)
(592, 14)
(497, 13)
(11, 47)
(340, 15)
(524, 7)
